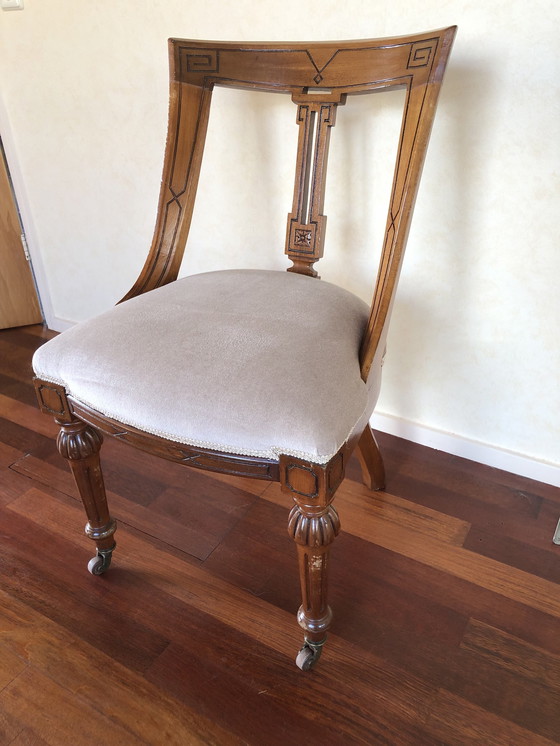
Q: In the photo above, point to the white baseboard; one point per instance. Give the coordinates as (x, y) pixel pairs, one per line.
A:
(469, 449)
(58, 325)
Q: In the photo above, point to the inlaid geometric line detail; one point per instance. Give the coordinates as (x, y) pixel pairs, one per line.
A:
(175, 197)
(420, 54)
(311, 480)
(320, 68)
(202, 60)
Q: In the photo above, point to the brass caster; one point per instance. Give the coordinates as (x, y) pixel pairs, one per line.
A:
(101, 562)
(309, 655)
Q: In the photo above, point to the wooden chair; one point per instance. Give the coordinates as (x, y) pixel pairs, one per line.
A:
(263, 374)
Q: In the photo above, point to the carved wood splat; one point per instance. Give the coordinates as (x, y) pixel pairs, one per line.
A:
(306, 223)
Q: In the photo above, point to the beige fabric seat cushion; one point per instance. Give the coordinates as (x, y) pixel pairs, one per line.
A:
(243, 361)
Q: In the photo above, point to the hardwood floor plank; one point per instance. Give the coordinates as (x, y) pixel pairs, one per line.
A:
(384, 629)
(10, 730)
(522, 518)
(270, 687)
(464, 598)
(50, 712)
(8, 455)
(33, 560)
(12, 484)
(471, 488)
(513, 654)
(456, 722)
(125, 696)
(171, 574)
(194, 526)
(29, 337)
(191, 584)
(520, 586)
(15, 360)
(497, 690)
(268, 626)
(10, 665)
(17, 412)
(544, 563)
(27, 737)
(17, 390)
(259, 555)
(38, 469)
(22, 438)
(359, 503)
(264, 623)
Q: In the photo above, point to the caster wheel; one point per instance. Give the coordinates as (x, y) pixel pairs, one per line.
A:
(308, 656)
(100, 563)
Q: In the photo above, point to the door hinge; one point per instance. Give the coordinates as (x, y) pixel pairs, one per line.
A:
(25, 247)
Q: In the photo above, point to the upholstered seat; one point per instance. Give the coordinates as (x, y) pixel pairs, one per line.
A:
(228, 361)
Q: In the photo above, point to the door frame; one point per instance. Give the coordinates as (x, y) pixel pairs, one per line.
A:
(26, 221)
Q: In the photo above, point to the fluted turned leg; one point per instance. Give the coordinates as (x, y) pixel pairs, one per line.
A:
(313, 533)
(371, 461)
(313, 524)
(80, 444)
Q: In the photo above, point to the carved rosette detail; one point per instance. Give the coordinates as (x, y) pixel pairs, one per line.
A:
(78, 441)
(317, 530)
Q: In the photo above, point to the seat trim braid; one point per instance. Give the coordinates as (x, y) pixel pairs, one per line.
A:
(50, 391)
(123, 430)
(53, 399)
(201, 455)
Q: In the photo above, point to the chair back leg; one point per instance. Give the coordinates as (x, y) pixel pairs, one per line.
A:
(371, 461)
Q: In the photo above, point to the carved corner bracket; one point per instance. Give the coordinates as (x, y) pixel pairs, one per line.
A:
(311, 485)
(52, 399)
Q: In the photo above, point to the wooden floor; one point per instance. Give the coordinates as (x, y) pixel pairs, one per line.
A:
(445, 588)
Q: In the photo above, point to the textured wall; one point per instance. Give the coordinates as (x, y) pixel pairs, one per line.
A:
(84, 94)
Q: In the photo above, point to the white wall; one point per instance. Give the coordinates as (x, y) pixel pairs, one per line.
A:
(473, 349)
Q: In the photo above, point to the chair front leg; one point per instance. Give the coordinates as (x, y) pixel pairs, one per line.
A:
(79, 444)
(313, 524)
(313, 533)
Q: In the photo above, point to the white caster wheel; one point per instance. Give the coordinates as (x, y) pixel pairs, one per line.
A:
(100, 563)
(308, 656)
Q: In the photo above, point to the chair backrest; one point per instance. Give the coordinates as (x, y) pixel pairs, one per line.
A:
(319, 77)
